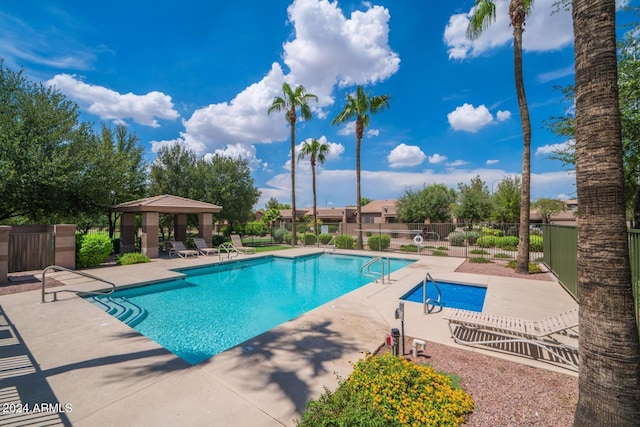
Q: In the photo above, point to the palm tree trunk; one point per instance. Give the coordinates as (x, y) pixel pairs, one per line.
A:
(359, 133)
(517, 12)
(315, 211)
(609, 381)
(292, 123)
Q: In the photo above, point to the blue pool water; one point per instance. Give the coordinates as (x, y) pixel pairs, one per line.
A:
(466, 297)
(219, 306)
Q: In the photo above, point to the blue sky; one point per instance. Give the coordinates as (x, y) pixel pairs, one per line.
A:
(204, 74)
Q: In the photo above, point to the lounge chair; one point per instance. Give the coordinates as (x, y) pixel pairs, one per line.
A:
(203, 248)
(237, 244)
(533, 338)
(178, 248)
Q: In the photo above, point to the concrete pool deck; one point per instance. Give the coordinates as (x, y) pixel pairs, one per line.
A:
(101, 372)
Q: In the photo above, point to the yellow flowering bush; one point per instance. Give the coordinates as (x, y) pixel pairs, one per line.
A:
(391, 391)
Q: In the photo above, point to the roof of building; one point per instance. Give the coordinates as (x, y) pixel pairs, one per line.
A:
(166, 203)
(387, 207)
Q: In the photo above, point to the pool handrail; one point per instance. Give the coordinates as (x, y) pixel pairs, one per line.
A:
(80, 273)
(428, 304)
(374, 274)
(229, 248)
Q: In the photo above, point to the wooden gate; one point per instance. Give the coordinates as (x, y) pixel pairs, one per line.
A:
(31, 250)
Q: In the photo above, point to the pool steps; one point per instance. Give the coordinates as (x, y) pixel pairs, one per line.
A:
(122, 309)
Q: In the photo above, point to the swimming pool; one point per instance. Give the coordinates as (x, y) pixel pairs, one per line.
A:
(219, 306)
(454, 295)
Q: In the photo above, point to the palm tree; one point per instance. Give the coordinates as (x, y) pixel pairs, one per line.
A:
(609, 381)
(317, 152)
(360, 106)
(483, 14)
(289, 103)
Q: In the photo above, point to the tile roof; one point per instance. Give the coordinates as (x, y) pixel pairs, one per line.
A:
(166, 203)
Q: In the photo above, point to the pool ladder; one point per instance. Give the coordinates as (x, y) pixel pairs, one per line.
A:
(365, 270)
(428, 304)
(230, 250)
(79, 273)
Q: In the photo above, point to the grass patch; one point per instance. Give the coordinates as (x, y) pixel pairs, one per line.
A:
(503, 256)
(443, 248)
(478, 252)
(480, 260)
(390, 391)
(271, 248)
(408, 248)
(439, 253)
(533, 267)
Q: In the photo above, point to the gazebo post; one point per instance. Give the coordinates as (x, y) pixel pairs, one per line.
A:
(127, 233)
(150, 224)
(205, 227)
(180, 224)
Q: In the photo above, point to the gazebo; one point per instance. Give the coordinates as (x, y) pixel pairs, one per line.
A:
(150, 209)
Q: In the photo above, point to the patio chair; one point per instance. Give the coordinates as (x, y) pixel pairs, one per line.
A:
(237, 244)
(534, 338)
(178, 248)
(203, 248)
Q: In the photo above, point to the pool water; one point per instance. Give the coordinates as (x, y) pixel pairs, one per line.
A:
(453, 295)
(219, 306)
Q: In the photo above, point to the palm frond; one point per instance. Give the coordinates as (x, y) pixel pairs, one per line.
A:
(484, 13)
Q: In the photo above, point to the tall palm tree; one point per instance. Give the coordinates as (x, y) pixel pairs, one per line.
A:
(483, 14)
(289, 103)
(609, 381)
(360, 106)
(317, 152)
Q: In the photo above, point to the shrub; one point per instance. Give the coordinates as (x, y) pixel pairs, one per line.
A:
(301, 228)
(439, 253)
(486, 241)
(94, 250)
(286, 237)
(379, 242)
(344, 242)
(333, 228)
(443, 248)
(116, 245)
(503, 256)
(132, 258)
(255, 228)
(325, 238)
(508, 243)
(480, 260)
(226, 230)
(389, 390)
(535, 243)
(456, 238)
(486, 231)
(408, 248)
(478, 252)
(472, 236)
(277, 234)
(308, 239)
(217, 240)
(533, 268)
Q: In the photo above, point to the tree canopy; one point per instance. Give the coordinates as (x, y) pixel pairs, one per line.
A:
(506, 201)
(474, 201)
(431, 202)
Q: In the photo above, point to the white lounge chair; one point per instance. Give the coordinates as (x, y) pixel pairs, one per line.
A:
(524, 337)
(203, 248)
(178, 248)
(237, 244)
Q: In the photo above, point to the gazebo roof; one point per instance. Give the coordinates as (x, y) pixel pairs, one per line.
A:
(166, 203)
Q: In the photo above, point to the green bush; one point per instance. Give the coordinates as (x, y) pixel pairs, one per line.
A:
(472, 237)
(478, 252)
(217, 240)
(286, 238)
(308, 239)
(533, 268)
(115, 243)
(503, 256)
(325, 238)
(439, 253)
(344, 242)
(277, 234)
(94, 250)
(132, 258)
(255, 228)
(379, 242)
(333, 228)
(535, 243)
(480, 260)
(487, 241)
(456, 238)
(301, 228)
(486, 231)
(408, 248)
(226, 230)
(390, 391)
(508, 243)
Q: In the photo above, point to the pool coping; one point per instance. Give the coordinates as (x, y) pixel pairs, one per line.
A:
(72, 353)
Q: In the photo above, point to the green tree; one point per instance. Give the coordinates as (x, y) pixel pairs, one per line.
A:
(365, 201)
(506, 201)
(45, 152)
(360, 106)
(484, 13)
(431, 202)
(271, 215)
(548, 207)
(474, 201)
(226, 182)
(317, 152)
(272, 203)
(172, 172)
(609, 380)
(290, 102)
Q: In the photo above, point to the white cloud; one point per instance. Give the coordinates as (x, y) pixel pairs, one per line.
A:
(110, 105)
(405, 155)
(437, 158)
(348, 129)
(503, 115)
(555, 74)
(373, 132)
(544, 31)
(242, 151)
(457, 163)
(327, 48)
(553, 148)
(492, 162)
(469, 118)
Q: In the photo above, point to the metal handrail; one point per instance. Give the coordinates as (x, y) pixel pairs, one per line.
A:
(229, 249)
(373, 274)
(80, 273)
(330, 246)
(428, 303)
